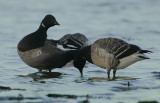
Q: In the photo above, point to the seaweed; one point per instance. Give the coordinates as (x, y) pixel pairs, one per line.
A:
(19, 97)
(3, 88)
(148, 102)
(98, 96)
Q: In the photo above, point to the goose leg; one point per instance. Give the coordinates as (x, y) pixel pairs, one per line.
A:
(39, 70)
(108, 72)
(114, 73)
(49, 70)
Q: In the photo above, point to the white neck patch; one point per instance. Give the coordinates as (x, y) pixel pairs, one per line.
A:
(43, 25)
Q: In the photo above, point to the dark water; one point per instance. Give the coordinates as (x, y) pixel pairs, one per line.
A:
(136, 21)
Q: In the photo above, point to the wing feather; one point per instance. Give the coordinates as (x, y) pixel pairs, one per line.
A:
(117, 47)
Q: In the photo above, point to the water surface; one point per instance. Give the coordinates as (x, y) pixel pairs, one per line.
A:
(134, 21)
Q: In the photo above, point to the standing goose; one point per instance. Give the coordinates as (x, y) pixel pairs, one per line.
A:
(38, 52)
(109, 53)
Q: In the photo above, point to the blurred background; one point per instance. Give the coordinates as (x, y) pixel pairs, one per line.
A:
(137, 22)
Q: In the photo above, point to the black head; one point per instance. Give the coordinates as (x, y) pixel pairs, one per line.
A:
(48, 21)
(79, 64)
(81, 57)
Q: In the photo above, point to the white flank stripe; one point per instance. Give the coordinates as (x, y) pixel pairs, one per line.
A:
(123, 51)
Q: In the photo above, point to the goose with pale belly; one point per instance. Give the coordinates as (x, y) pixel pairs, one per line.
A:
(109, 53)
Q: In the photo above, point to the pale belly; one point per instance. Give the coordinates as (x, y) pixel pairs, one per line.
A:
(103, 59)
(125, 62)
(101, 62)
(28, 57)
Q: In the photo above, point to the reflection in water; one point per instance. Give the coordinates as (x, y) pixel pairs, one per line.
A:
(102, 79)
(84, 101)
(18, 98)
(156, 74)
(81, 80)
(135, 21)
(43, 75)
(129, 87)
(3, 88)
(121, 88)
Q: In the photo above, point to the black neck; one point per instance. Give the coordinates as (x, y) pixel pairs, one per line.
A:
(81, 57)
(34, 40)
(42, 28)
(86, 53)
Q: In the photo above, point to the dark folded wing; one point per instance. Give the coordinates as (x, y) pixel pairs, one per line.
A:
(118, 47)
(76, 40)
(51, 42)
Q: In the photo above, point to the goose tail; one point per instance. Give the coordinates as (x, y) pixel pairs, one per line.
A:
(145, 51)
(142, 55)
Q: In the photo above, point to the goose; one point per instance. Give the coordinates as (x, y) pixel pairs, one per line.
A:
(41, 53)
(70, 41)
(109, 53)
(73, 41)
